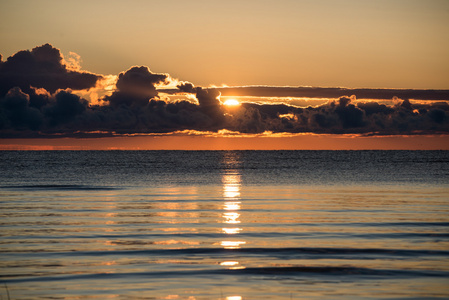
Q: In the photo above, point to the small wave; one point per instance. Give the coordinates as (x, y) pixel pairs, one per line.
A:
(403, 235)
(341, 271)
(396, 224)
(290, 271)
(283, 252)
(60, 187)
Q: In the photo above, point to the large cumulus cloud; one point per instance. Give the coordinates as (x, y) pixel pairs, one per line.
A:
(42, 67)
(39, 98)
(135, 87)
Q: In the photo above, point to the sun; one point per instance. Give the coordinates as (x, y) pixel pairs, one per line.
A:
(231, 102)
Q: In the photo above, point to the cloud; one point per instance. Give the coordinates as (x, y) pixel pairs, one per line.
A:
(41, 97)
(136, 87)
(16, 112)
(140, 81)
(343, 116)
(319, 92)
(349, 115)
(65, 107)
(66, 113)
(43, 67)
(186, 87)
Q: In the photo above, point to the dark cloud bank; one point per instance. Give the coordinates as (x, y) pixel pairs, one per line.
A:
(37, 99)
(320, 92)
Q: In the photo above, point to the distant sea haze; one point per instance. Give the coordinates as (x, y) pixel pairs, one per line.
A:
(224, 224)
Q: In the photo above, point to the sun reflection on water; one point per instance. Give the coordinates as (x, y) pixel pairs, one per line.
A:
(231, 206)
(231, 186)
(231, 230)
(232, 244)
(231, 180)
(231, 218)
(229, 263)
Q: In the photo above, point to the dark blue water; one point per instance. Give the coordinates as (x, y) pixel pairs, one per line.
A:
(224, 224)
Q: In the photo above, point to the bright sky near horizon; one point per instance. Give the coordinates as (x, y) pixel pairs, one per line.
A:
(351, 43)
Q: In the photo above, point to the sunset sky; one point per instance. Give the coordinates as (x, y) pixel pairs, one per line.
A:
(385, 47)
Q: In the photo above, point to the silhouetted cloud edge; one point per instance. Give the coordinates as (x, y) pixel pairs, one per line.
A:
(40, 98)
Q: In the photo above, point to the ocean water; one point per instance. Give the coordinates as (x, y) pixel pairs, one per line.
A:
(224, 225)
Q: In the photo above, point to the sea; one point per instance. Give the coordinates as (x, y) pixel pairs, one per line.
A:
(226, 225)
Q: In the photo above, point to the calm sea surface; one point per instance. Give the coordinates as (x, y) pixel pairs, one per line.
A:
(224, 225)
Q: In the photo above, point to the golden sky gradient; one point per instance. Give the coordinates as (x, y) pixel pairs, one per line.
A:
(350, 43)
(384, 44)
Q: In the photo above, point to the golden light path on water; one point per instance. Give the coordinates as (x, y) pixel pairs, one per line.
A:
(231, 180)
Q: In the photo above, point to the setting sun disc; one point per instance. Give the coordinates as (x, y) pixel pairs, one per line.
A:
(231, 102)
